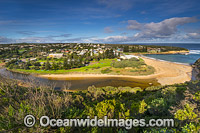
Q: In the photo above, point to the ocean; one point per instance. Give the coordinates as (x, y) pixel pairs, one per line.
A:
(186, 59)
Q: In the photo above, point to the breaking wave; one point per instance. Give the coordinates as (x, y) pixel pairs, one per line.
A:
(194, 51)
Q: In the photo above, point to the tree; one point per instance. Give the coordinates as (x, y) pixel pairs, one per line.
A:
(47, 65)
(26, 66)
(65, 63)
(37, 64)
(59, 64)
(133, 49)
(111, 54)
(54, 66)
(107, 53)
(118, 54)
(126, 48)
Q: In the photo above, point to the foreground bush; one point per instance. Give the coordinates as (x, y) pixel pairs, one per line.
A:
(123, 102)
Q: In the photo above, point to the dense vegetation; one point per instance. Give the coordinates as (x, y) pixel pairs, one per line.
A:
(180, 102)
(133, 62)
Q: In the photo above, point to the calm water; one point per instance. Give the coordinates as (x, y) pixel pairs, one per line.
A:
(188, 59)
(80, 83)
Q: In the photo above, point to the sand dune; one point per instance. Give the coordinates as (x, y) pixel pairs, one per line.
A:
(166, 73)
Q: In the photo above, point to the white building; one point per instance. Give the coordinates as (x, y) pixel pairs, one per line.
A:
(129, 56)
(56, 55)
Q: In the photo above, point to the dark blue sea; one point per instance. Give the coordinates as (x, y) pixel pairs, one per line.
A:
(188, 59)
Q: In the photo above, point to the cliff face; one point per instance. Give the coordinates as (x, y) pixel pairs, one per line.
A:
(196, 66)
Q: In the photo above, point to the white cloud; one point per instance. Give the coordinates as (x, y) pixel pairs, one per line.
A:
(193, 35)
(35, 39)
(48, 39)
(134, 25)
(163, 29)
(5, 40)
(109, 39)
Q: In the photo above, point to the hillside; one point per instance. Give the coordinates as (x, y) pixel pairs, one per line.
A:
(196, 66)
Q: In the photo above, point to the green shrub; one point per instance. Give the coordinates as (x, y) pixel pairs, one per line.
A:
(180, 89)
(197, 96)
(153, 88)
(133, 62)
(191, 128)
(169, 91)
(186, 113)
(107, 70)
(158, 106)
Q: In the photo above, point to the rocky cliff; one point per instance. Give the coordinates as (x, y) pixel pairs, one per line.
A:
(196, 66)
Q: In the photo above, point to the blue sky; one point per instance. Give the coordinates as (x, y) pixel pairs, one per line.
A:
(99, 21)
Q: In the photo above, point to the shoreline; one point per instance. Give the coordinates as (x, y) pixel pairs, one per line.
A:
(169, 52)
(187, 64)
(166, 73)
(169, 73)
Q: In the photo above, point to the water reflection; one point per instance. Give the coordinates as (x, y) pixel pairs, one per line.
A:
(79, 83)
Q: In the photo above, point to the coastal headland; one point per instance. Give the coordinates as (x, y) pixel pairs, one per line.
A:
(168, 52)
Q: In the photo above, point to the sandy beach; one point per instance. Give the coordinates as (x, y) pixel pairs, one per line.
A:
(166, 73)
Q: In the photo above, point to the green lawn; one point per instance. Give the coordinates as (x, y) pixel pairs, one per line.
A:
(93, 67)
(50, 61)
(21, 50)
(98, 67)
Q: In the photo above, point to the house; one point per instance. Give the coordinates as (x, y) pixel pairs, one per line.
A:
(7, 60)
(82, 52)
(101, 51)
(153, 50)
(95, 51)
(120, 49)
(57, 55)
(32, 59)
(23, 60)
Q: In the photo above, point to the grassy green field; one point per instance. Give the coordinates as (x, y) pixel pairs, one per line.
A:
(91, 68)
(21, 50)
(50, 61)
(99, 67)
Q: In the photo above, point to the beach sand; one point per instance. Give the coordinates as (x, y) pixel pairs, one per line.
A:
(166, 73)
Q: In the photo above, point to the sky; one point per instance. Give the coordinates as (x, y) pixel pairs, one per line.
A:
(99, 21)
